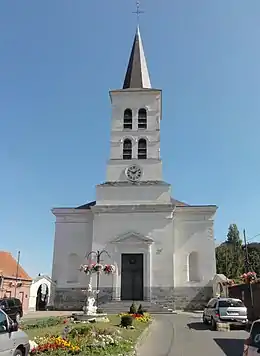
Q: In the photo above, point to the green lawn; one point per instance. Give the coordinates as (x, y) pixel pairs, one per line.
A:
(114, 321)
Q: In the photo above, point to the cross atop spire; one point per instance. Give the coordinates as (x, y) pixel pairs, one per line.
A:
(138, 12)
(137, 75)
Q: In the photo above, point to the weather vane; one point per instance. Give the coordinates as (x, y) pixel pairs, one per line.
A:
(138, 12)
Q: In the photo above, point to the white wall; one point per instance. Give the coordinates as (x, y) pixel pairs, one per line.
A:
(193, 232)
(133, 194)
(73, 239)
(135, 100)
(151, 169)
(156, 225)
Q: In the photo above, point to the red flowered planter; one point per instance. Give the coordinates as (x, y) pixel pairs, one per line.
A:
(97, 268)
(109, 269)
(249, 277)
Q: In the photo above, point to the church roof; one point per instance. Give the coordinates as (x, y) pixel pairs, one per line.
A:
(93, 203)
(87, 205)
(137, 75)
(178, 202)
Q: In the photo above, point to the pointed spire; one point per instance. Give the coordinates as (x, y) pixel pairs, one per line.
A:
(137, 75)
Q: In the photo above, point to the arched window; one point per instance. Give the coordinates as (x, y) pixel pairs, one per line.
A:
(142, 149)
(193, 267)
(127, 149)
(142, 119)
(128, 118)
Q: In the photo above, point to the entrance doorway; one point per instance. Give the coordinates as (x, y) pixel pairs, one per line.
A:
(132, 276)
(42, 297)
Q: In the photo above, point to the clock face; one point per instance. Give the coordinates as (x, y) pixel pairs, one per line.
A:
(133, 173)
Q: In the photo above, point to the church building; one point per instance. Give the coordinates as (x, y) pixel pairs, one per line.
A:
(163, 249)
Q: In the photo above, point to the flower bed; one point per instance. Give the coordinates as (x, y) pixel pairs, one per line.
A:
(53, 338)
(144, 318)
(52, 343)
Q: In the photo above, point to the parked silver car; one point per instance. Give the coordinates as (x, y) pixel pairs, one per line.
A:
(225, 310)
(13, 342)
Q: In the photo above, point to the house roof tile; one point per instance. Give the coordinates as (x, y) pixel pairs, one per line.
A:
(8, 267)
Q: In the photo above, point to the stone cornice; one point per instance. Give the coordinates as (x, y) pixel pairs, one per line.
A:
(195, 213)
(139, 91)
(136, 184)
(69, 211)
(139, 208)
(72, 215)
(123, 162)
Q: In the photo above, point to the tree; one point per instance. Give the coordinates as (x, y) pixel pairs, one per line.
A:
(233, 236)
(229, 261)
(230, 254)
(254, 258)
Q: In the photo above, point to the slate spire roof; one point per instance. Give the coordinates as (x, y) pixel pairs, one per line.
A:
(137, 75)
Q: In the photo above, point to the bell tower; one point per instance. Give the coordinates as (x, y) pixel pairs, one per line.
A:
(135, 124)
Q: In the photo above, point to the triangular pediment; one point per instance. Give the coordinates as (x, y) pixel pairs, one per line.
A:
(132, 237)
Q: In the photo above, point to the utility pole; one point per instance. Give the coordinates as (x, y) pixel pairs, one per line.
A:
(17, 271)
(247, 270)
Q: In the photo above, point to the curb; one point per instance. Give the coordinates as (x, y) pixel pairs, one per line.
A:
(144, 334)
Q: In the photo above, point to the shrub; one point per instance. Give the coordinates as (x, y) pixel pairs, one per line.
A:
(133, 309)
(140, 310)
(126, 320)
(80, 330)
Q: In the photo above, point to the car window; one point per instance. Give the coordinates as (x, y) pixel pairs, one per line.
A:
(3, 322)
(230, 303)
(17, 301)
(255, 335)
(212, 303)
(2, 303)
(10, 303)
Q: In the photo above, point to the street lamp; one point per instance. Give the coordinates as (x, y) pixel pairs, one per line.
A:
(98, 255)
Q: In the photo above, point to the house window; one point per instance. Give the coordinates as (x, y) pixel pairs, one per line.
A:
(128, 119)
(193, 267)
(142, 119)
(142, 149)
(127, 149)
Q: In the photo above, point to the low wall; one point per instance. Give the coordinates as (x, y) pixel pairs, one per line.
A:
(189, 298)
(242, 291)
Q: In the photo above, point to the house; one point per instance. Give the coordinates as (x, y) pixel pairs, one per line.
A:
(14, 281)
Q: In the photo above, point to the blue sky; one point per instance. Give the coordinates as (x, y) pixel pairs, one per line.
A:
(58, 61)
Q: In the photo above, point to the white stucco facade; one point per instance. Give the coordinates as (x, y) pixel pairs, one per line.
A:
(136, 218)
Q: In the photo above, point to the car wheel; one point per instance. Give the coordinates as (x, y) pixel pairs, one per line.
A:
(17, 318)
(205, 321)
(213, 324)
(18, 353)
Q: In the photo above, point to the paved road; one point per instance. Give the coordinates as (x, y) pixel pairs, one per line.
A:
(184, 335)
